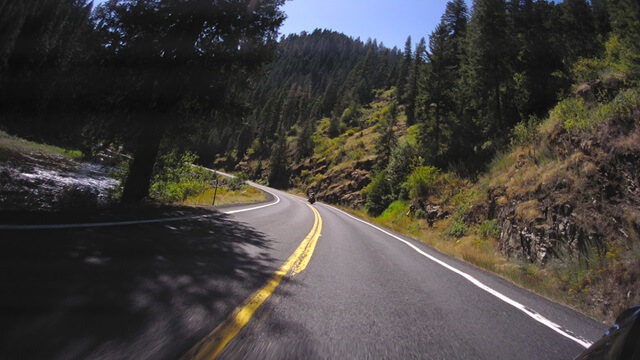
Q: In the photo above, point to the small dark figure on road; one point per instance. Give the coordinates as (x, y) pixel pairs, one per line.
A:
(312, 197)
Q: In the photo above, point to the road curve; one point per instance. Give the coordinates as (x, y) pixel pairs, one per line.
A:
(366, 294)
(156, 290)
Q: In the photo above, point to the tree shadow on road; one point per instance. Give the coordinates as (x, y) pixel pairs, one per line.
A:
(141, 291)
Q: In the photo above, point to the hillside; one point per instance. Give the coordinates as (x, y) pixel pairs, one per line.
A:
(557, 211)
(570, 203)
(313, 75)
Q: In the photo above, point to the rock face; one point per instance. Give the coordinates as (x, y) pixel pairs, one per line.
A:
(423, 209)
(552, 235)
(592, 201)
(340, 184)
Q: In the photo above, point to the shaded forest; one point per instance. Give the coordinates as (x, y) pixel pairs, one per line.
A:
(139, 76)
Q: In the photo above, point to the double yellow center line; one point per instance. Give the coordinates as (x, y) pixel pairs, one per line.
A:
(212, 345)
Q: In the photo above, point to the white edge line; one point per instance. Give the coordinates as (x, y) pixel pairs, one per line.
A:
(133, 222)
(257, 207)
(100, 224)
(534, 315)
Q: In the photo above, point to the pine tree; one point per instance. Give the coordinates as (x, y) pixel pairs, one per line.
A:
(403, 72)
(578, 30)
(436, 100)
(387, 140)
(490, 55)
(334, 126)
(412, 82)
(535, 87)
(625, 21)
(279, 172)
(601, 18)
(304, 144)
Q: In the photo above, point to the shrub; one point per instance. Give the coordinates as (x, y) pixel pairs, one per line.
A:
(420, 214)
(378, 194)
(526, 132)
(120, 173)
(396, 211)
(489, 229)
(588, 70)
(399, 168)
(622, 106)
(457, 228)
(334, 127)
(175, 178)
(572, 113)
(618, 60)
(421, 181)
(235, 184)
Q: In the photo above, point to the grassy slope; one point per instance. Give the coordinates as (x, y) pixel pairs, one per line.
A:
(12, 147)
(341, 167)
(225, 196)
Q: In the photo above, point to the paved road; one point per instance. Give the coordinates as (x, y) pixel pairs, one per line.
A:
(155, 290)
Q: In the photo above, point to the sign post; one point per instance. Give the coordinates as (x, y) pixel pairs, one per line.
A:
(215, 191)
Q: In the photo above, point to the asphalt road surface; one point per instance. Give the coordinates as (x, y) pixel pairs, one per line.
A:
(233, 280)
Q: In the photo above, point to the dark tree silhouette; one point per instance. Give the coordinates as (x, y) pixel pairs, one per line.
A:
(173, 61)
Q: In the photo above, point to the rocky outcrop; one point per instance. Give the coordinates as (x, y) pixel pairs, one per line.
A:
(344, 187)
(339, 184)
(593, 203)
(555, 233)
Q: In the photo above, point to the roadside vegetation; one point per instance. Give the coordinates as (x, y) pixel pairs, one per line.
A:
(556, 212)
(44, 177)
(527, 169)
(177, 180)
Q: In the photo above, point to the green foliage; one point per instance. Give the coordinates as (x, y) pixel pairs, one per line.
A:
(279, 172)
(588, 70)
(387, 140)
(350, 114)
(622, 106)
(489, 229)
(304, 142)
(618, 60)
(176, 178)
(399, 168)
(120, 172)
(572, 113)
(457, 228)
(378, 194)
(334, 127)
(235, 183)
(421, 181)
(395, 212)
(576, 115)
(412, 134)
(526, 132)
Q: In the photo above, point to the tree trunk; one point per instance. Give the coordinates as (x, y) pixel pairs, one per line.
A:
(138, 182)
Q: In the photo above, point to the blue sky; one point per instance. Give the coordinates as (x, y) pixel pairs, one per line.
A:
(388, 21)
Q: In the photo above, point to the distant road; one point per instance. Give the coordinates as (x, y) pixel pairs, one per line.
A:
(276, 280)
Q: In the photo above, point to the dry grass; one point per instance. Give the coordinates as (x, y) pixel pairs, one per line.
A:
(589, 169)
(246, 195)
(528, 211)
(552, 282)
